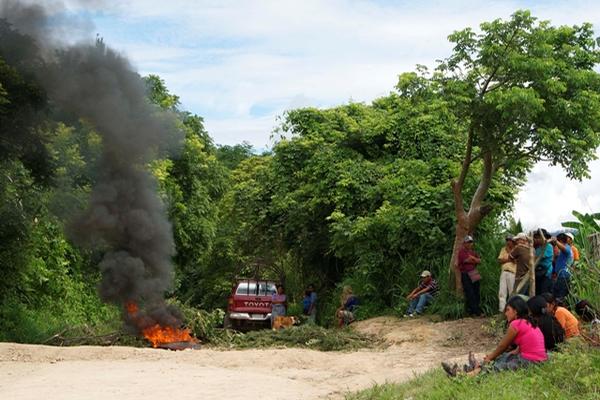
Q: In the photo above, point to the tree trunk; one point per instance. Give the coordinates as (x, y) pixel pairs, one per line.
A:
(462, 230)
(468, 220)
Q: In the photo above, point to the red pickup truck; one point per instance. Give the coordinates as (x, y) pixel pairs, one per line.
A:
(249, 304)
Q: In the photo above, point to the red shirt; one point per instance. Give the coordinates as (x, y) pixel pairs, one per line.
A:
(463, 254)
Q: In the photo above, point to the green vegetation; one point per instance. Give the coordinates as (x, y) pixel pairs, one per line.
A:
(305, 336)
(523, 91)
(586, 272)
(357, 195)
(572, 374)
(207, 326)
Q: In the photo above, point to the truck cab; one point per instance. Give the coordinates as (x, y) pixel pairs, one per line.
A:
(249, 305)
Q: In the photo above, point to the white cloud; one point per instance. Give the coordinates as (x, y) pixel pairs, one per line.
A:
(227, 59)
(269, 52)
(549, 197)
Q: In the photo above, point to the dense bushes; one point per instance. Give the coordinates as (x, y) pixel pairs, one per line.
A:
(353, 195)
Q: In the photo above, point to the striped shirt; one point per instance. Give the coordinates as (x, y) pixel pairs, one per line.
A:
(431, 286)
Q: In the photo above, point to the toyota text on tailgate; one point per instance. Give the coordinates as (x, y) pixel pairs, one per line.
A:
(250, 303)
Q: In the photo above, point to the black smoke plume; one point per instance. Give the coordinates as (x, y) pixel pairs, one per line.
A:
(125, 217)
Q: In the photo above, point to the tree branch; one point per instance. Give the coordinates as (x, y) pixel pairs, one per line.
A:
(497, 67)
(458, 184)
(484, 183)
(467, 160)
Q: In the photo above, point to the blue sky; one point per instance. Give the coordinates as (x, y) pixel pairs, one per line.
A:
(240, 64)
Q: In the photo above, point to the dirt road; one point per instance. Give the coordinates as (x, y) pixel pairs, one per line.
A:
(49, 373)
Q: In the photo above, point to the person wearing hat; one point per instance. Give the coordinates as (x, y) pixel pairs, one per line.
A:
(422, 295)
(574, 249)
(561, 272)
(468, 260)
(507, 276)
(521, 256)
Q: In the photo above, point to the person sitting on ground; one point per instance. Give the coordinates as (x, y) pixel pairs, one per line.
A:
(278, 304)
(507, 277)
(567, 320)
(521, 332)
(551, 329)
(590, 315)
(544, 254)
(561, 272)
(587, 312)
(521, 256)
(348, 303)
(422, 295)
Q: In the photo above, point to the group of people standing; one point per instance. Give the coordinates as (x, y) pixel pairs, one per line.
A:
(279, 303)
(551, 257)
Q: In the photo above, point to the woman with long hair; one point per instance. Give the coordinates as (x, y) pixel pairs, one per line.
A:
(348, 303)
(551, 329)
(278, 304)
(522, 332)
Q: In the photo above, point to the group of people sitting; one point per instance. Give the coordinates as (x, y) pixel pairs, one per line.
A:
(535, 328)
(344, 314)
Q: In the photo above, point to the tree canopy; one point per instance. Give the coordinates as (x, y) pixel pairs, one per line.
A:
(527, 91)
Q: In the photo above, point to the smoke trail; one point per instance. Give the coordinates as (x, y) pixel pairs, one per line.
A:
(125, 216)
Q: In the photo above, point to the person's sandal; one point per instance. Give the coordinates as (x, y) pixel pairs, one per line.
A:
(451, 370)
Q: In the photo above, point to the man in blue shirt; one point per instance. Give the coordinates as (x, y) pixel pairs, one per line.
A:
(561, 268)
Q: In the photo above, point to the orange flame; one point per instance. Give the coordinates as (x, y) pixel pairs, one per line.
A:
(158, 334)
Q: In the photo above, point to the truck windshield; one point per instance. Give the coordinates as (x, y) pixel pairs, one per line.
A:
(250, 288)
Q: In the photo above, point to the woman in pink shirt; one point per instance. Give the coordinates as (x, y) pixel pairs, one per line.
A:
(522, 345)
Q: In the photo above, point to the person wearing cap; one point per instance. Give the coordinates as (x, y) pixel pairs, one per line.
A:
(561, 272)
(521, 256)
(422, 295)
(574, 249)
(544, 254)
(507, 276)
(468, 260)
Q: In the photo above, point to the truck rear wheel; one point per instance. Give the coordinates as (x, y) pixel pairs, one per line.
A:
(227, 322)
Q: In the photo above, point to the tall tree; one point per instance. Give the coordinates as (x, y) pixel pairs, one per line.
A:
(527, 92)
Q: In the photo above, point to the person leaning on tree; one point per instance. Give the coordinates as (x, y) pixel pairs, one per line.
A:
(468, 260)
(521, 256)
(507, 276)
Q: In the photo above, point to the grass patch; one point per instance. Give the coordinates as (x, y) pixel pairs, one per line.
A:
(305, 336)
(572, 374)
(206, 325)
